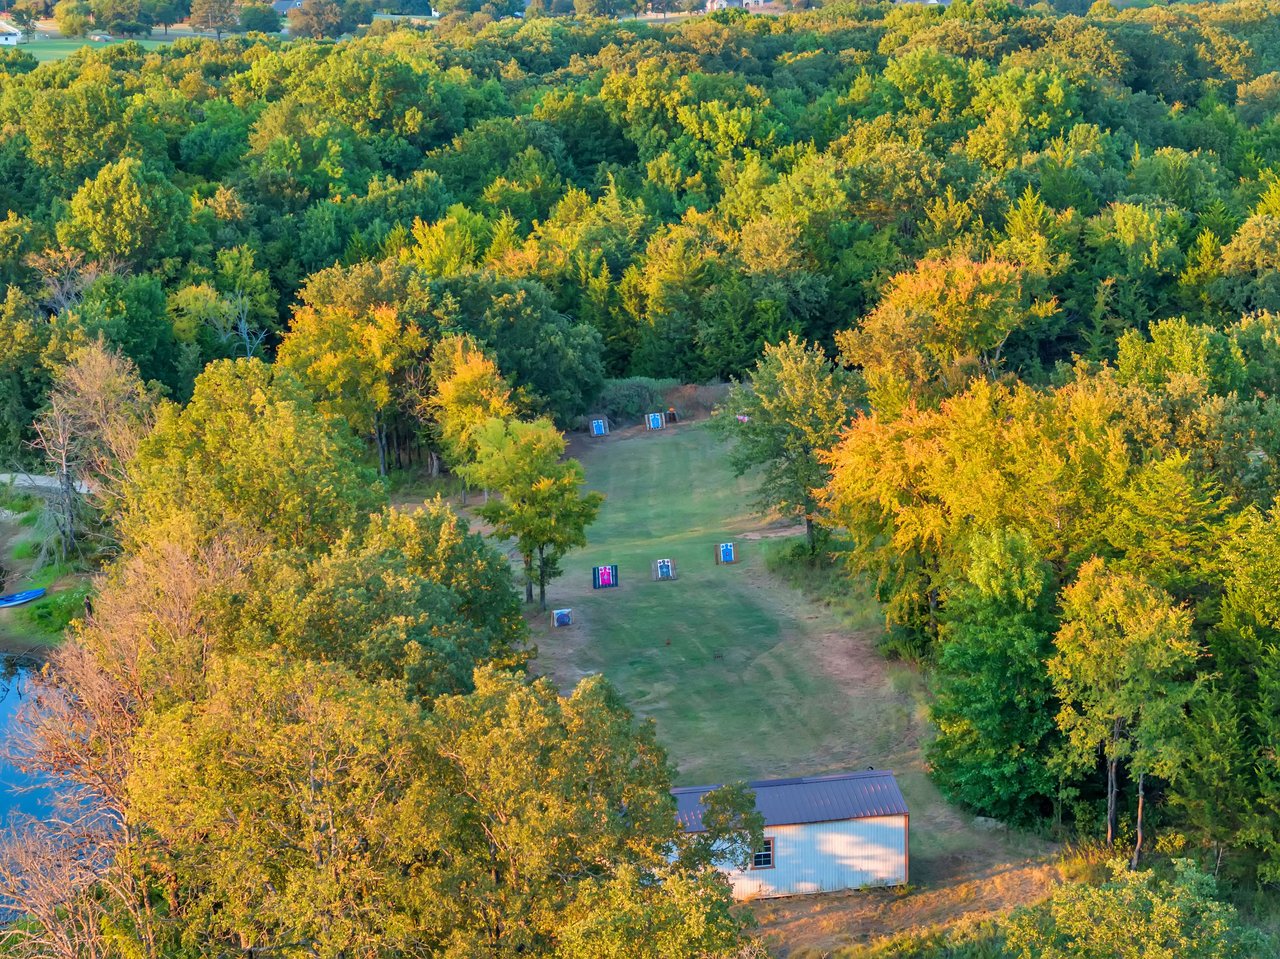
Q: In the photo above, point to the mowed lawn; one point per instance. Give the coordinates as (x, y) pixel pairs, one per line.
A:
(48, 49)
(742, 679)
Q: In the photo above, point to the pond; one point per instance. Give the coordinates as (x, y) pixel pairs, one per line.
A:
(14, 685)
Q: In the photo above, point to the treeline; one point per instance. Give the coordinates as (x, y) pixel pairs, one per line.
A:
(1086, 560)
(1088, 564)
(683, 195)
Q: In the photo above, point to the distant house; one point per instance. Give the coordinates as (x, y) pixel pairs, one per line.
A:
(283, 7)
(10, 36)
(714, 5)
(821, 834)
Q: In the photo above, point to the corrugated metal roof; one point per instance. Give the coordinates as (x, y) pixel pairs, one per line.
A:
(789, 802)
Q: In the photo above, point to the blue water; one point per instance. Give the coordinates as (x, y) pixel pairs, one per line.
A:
(13, 687)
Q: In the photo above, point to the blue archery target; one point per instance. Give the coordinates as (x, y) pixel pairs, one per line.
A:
(562, 617)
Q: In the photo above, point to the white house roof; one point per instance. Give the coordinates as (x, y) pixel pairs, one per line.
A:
(790, 802)
(6, 27)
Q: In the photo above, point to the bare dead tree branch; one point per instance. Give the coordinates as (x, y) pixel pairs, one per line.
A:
(65, 275)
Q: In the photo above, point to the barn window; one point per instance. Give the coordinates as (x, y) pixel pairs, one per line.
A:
(763, 858)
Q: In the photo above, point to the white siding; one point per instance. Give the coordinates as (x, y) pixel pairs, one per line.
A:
(9, 39)
(829, 857)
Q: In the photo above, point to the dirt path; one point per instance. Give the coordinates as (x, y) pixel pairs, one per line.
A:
(41, 484)
(826, 923)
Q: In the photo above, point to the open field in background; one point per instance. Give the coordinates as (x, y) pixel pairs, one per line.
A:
(746, 678)
(48, 50)
(48, 45)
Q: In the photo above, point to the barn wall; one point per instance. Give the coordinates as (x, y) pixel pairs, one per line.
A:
(828, 857)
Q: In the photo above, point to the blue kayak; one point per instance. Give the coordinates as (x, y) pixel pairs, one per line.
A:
(17, 599)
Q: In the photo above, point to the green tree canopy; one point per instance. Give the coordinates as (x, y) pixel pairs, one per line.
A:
(281, 799)
(995, 704)
(357, 361)
(413, 597)
(467, 390)
(937, 327)
(1121, 667)
(259, 18)
(541, 506)
(72, 17)
(249, 450)
(796, 404)
(213, 16)
(127, 214)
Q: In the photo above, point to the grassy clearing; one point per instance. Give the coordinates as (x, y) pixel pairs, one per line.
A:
(19, 543)
(18, 502)
(720, 659)
(967, 939)
(955, 921)
(46, 619)
(48, 49)
(48, 45)
(825, 582)
(748, 678)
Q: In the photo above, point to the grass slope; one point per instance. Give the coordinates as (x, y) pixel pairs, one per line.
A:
(746, 678)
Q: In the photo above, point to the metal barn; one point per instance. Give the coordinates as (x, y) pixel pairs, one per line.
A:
(821, 834)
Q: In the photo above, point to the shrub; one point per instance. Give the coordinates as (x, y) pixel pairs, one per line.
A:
(630, 399)
(1136, 914)
(53, 614)
(128, 28)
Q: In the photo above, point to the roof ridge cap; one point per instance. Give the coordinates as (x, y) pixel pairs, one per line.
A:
(829, 777)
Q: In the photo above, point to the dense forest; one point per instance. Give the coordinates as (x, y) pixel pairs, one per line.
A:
(617, 199)
(998, 289)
